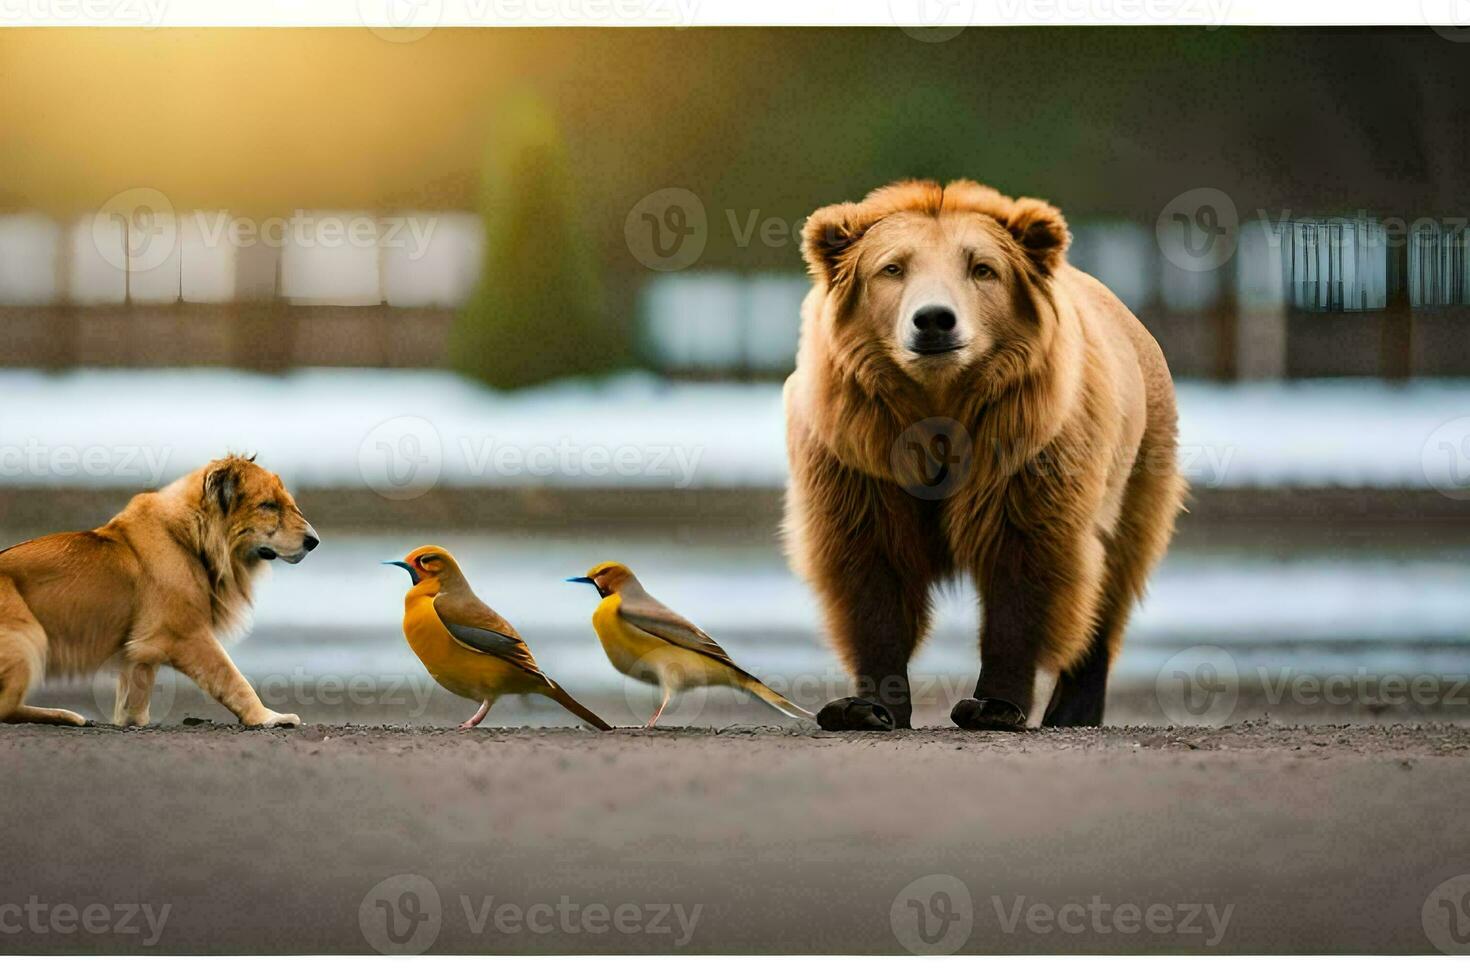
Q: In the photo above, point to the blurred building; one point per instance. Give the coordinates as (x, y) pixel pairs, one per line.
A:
(270, 199)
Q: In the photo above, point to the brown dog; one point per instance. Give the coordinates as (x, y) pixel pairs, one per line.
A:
(967, 403)
(157, 584)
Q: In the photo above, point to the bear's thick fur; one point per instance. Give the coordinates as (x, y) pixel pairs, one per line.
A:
(967, 403)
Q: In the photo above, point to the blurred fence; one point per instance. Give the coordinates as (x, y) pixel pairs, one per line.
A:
(1296, 298)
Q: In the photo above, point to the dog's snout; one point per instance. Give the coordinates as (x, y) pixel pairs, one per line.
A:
(934, 319)
(309, 541)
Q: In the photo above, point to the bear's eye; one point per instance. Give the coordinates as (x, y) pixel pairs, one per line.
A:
(982, 271)
(893, 270)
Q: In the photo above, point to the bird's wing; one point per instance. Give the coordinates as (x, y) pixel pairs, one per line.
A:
(652, 616)
(480, 629)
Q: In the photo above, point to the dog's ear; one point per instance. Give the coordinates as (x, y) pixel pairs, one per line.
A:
(828, 236)
(1041, 231)
(222, 484)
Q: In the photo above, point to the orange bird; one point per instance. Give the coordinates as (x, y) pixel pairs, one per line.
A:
(467, 646)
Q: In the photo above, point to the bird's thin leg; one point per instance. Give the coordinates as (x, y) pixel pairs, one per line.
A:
(478, 716)
(662, 705)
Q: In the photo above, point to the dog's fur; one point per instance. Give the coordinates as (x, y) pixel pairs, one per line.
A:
(1070, 492)
(158, 584)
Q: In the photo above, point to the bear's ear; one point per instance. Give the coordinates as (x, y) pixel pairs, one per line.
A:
(1042, 232)
(826, 238)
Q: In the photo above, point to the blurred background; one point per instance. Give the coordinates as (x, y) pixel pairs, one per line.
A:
(531, 293)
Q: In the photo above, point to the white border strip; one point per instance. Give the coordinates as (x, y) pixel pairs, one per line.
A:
(407, 20)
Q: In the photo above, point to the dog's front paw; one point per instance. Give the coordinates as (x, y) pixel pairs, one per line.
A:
(988, 715)
(855, 715)
(274, 720)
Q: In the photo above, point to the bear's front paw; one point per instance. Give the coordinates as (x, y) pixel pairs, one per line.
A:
(988, 715)
(855, 715)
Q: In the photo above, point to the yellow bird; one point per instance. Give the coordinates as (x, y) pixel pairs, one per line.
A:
(467, 646)
(648, 641)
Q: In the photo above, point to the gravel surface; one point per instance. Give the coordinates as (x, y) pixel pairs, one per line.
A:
(1253, 838)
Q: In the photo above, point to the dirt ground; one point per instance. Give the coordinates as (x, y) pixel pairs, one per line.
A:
(350, 839)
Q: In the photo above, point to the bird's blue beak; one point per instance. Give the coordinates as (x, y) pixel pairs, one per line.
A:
(407, 568)
(580, 580)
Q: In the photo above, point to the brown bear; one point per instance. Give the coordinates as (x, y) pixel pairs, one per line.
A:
(967, 403)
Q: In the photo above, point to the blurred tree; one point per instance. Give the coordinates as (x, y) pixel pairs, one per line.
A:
(537, 313)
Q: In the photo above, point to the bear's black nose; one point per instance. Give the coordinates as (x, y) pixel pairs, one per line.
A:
(934, 319)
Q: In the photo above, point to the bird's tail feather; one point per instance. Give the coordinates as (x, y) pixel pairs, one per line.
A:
(760, 690)
(576, 707)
